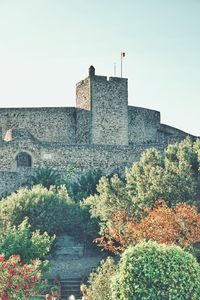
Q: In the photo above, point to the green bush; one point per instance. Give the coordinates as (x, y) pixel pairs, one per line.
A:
(100, 280)
(152, 271)
(22, 241)
(50, 210)
(47, 210)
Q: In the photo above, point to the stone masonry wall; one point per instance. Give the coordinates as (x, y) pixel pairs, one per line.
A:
(170, 134)
(47, 124)
(61, 156)
(109, 110)
(145, 128)
(83, 126)
(143, 125)
(10, 181)
(83, 111)
(10, 150)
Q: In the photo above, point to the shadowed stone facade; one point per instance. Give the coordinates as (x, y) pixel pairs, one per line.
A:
(102, 131)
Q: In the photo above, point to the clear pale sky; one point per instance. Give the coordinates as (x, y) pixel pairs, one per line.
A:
(46, 46)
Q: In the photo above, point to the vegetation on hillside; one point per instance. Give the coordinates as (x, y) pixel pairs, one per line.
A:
(173, 176)
(125, 216)
(178, 225)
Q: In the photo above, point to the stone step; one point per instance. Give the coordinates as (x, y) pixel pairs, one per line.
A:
(70, 286)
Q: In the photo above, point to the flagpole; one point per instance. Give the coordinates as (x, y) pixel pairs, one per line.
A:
(121, 63)
(114, 69)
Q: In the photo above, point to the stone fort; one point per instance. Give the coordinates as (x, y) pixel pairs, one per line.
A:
(102, 131)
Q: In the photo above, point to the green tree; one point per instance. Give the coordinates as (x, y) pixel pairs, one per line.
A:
(100, 280)
(22, 241)
(47, 210)
(152, 271)
(173, 176)
(51, 210)
(111, 196)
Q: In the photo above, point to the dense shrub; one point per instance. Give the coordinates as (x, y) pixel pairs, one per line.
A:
(47, 210)
(45, 176)
(50, 210)
(83, 185)
(87, 228)
(25, 243)
(152, 271)
(100, 281)
(18, 281)
(79, 186)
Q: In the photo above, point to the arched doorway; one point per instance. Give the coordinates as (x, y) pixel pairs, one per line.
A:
(23, 159)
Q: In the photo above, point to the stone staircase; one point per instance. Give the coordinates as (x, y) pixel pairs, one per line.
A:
(70, 286)
(72, 263)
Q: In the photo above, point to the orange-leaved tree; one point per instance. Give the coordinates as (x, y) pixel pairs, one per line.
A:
(179, 225)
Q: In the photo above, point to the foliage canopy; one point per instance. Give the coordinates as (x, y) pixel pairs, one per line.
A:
(173, 176)
(22, 241)
(152, 271)
(179, 225)
(47, 210)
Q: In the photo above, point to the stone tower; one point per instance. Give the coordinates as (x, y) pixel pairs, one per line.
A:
(107, 101)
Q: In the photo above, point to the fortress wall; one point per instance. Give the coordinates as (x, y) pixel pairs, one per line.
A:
(170, 135)
(86, 157)
(10, 181)
(171, 131)
(47, 124)
(62, 157)
(109, 110)
(143, 125)
(83, 126)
